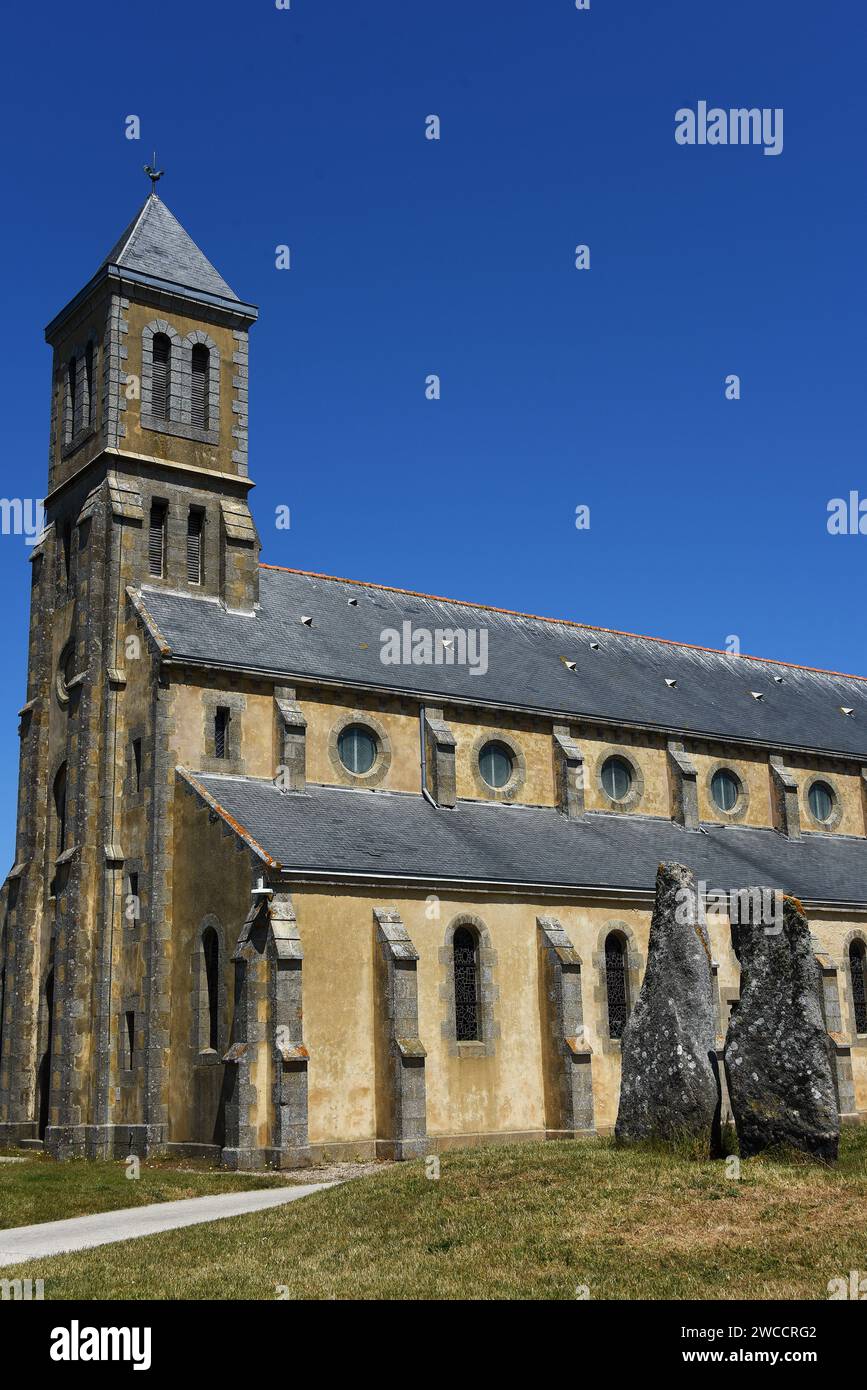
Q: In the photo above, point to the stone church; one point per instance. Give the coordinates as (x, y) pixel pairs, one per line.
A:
(310, 867)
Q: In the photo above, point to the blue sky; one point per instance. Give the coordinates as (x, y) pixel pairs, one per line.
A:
(410, 257)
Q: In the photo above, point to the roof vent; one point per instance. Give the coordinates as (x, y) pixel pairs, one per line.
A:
(353, 602)
(594, 646)
(672, 685)
(778, 679)
(570, 665)
(844, 709)
(757, 694)
(308, 622)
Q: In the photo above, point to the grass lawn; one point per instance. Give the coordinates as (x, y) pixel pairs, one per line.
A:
(527, 1221)
(39, 1189)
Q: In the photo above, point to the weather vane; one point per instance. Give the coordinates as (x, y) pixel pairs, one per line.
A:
(154, 174)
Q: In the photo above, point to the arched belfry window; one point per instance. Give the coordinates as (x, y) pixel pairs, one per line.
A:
(858, 973)
(59, 791)
(72, 399)
(201, 363)
(161, 377)
(465, 945)
(210, 1013)
(616, 984)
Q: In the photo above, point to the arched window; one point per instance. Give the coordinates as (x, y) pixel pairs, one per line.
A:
(615, 984)
(60, 807)
(72, 398)
(157, 538)
(161, 379)
(858, 973)
(199, 396)
(210, 1001)
(89, 403)
(465, 946)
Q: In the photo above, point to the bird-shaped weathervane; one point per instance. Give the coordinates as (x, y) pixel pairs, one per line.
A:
(154, 174)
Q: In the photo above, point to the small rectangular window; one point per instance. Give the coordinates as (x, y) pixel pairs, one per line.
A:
(157, 539)
(195, 521)
(221, 732)
(129, 1040)
(136, 764)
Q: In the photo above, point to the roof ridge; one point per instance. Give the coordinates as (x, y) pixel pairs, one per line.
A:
(123, 245)
(563, 622)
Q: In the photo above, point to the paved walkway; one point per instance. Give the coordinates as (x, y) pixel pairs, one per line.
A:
(23, 1243)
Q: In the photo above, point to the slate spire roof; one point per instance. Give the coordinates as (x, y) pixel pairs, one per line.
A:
(155, 244)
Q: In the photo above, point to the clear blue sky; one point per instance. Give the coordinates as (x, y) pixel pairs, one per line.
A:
(411, 257)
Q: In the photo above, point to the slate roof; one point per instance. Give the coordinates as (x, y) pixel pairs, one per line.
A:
(624, 680)
(344, 831)
(156, 244)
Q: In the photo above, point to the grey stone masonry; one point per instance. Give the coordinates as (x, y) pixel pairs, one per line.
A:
(568, 773)
(844, 1083)
(290, 1137)
(292, 773)
(684, 776)
(401, 1106)
(669, 1086)
(568, 1055)
(784, 796)
(778, 1055)
(440, 745)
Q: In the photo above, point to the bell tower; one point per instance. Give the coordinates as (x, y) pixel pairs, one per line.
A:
(150, 389)
(147, 488)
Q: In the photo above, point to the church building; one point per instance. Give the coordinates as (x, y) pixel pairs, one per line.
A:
(312, 868)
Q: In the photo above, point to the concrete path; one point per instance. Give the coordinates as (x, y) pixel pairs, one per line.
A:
(23, 1243)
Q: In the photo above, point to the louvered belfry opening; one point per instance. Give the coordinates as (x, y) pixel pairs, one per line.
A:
(199, 397)
(195, 522)
(72, 397)
(221, 731)
(89, 404)
(157, 539)
(161, 377)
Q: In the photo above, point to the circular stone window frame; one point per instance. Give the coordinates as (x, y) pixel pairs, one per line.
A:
(837, 810)
(741, 806)
(636, 791)
(376, 774)
(515, 784)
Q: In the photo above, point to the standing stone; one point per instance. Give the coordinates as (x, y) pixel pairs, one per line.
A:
(669, 1085)
(777, 1051)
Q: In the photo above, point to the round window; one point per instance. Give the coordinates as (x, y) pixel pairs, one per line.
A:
(725, 789)
(821, 801)
(617, 778)
(496, 764)
(357, 748)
